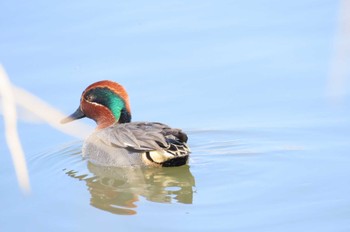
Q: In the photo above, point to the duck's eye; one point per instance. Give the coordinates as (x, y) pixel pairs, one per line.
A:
(90, 98)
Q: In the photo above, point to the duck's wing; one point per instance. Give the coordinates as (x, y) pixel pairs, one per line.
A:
(146, 136)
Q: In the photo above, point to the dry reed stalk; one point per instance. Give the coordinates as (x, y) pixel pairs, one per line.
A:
(12, 95)
(12, 138)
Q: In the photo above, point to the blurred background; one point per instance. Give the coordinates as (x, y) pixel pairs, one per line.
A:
(256, 77)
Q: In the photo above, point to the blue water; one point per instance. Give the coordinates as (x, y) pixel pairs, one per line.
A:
(246, 80)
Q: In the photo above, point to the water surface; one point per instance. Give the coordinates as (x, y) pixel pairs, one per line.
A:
(246, 81)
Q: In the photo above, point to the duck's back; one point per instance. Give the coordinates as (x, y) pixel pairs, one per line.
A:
(137, 143)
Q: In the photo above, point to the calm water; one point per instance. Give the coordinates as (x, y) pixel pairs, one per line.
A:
(246, 81)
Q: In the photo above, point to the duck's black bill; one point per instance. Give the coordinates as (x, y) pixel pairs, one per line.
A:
(78, 114)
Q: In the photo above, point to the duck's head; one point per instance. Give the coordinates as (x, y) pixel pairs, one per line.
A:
(106, 102)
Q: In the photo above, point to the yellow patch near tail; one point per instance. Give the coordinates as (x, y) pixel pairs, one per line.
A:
(156, 158)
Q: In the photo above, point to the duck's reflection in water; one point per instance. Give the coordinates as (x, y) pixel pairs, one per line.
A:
(118, 189)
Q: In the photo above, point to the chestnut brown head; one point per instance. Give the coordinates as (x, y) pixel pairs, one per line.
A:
(106, 102)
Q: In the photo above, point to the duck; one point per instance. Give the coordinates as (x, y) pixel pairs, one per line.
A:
(119, 142)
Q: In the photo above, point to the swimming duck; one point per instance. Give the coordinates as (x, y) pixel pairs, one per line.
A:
(119, 142)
